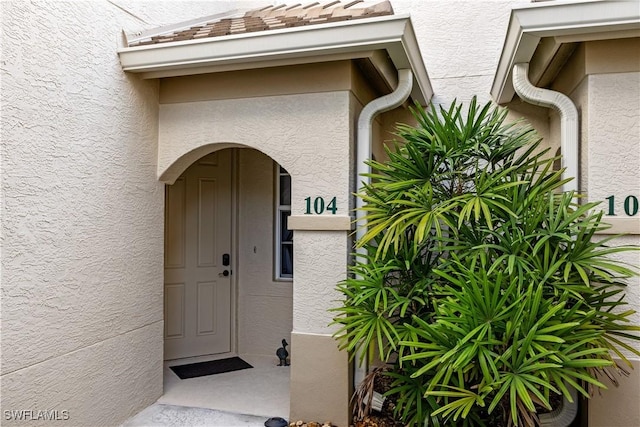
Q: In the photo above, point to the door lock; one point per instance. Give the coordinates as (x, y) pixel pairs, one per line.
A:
(226, 261)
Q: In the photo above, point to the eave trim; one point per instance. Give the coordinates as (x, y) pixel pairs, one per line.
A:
(577, 20)
(296, 45)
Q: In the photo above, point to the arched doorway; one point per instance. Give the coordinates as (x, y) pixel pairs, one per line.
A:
(311, 136)
(228, 284)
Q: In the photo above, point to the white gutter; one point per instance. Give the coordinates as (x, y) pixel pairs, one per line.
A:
(364, 149)
(569, 128)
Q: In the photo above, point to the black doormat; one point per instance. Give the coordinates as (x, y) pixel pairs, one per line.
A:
(202, 369)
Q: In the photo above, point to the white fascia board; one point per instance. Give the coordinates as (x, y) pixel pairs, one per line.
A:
(422, 90)
(393, 33)
(588, 20)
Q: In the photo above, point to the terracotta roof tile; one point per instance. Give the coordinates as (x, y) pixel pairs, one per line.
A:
(276, 17)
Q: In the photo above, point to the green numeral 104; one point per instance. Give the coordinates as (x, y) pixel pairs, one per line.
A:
(630, 205)
(319, 206)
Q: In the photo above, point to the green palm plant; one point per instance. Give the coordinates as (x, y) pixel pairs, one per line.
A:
(482, 283)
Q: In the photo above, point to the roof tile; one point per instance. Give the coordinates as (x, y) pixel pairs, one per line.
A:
(276, 17)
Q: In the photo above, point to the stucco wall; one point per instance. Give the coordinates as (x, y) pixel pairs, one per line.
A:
(265, 306)
(82, 216)
(614, 137)
(82, 207)
(460, 42)
(614, 169)
(614, 155)
(303, 144)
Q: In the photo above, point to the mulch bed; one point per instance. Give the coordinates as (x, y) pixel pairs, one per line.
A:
(385, 418)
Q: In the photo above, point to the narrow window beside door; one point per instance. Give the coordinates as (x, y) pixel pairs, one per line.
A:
(284, 236)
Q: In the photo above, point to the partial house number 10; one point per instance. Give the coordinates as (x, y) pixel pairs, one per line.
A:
(630, 205)
(319, 206)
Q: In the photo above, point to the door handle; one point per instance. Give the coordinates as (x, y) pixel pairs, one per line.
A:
(225, 273)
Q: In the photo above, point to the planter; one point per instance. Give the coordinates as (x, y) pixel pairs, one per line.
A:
(563, 416)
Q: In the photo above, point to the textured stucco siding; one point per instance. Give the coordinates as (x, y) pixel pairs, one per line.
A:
(316, 256)
(83, 145)
(312, 143)
(460, 42)
(613, 150)
(98, 385)
(614, 157)
(614, 136)
(82, 216)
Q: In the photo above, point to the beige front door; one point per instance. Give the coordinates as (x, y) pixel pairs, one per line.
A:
(197, 283)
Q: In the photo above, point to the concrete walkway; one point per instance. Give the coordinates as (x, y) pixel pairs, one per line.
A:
(233, 399)
(161, 415)
(262, 390)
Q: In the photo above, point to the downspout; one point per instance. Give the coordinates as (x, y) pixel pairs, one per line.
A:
(364, 149)
(569, 126)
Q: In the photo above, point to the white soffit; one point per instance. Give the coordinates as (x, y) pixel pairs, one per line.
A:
(297, 45)
(563, 22)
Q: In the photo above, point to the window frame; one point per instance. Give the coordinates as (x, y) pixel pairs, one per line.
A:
(278, 242)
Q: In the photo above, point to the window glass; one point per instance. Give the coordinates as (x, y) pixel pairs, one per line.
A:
(287, 260)
(285, 189)
(285, 233)
(284, 236)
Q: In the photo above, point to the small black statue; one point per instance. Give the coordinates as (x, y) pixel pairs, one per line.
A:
(282, 354)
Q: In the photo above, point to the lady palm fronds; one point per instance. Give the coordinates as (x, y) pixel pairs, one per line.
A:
(482, 276)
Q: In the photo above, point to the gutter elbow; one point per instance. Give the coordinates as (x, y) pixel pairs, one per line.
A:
(364, 136)
(389, 101)
(569, 125)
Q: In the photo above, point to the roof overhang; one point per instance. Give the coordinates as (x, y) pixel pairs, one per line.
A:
(542, 29)
(362, 38)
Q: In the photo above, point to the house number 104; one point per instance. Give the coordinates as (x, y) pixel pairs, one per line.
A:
(630, 205)
(319, 206)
